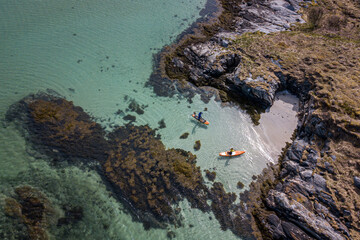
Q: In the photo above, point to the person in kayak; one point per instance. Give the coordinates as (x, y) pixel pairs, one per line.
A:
(199, 117)
(231, 151)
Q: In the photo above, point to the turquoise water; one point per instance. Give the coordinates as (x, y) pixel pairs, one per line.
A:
(95, 53)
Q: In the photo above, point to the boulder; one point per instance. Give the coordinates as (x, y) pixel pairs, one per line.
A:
(305, 219)
(319, 181)
(296, 150)
(294, 232)
(306, 175)
(197, 145)
(357, 182)
(275, 227)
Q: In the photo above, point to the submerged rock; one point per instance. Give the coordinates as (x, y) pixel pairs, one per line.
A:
(170, 235)
(148, 178)
(130, 118)
(240, 185)
(197, 145)
(60, 126)
(184, 135)
(162, 124)
(221, 204)
(33, 209)
(151, 177)
(135, 107)
(210, 175)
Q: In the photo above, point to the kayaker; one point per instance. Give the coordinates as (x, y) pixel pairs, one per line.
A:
(199, 117)
(231, 151)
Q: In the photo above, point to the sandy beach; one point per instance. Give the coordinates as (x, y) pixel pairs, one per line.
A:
(278, 122)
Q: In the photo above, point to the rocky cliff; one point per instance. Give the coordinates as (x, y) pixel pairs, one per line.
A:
(313, 192)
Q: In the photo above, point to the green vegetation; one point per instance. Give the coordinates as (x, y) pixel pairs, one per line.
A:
(323, 53)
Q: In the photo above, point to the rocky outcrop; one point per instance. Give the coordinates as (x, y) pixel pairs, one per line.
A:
(209, 63)
(357, 182)
(300, 196)
(296, 200)
(59, 126)
(152, 178)
(33, 209)
(149, 179)
(305, 219)
(313, 192)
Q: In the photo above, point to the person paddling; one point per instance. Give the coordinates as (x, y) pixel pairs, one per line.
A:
(231, 151)
(199, 118)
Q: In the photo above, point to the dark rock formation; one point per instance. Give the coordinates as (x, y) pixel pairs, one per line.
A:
(150, 177)
(162, 124)
(240, 185)
(210, 175)
(170, 235)
(221, 204)
(33, 209)
(129, 118)
(209, 63)
(357, 182)
(120, 112)
(135, 107)
(197, 145)
(305, 219)
(184, 135)
(61, 127)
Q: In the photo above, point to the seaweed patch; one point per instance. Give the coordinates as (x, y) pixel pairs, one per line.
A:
(148, 178)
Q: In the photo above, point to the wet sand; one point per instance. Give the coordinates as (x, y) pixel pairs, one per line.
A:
(278, 123)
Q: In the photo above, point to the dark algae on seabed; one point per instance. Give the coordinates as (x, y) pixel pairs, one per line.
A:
(312, 193)
(149, 179)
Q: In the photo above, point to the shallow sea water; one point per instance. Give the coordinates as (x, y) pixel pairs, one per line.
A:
(95, 53)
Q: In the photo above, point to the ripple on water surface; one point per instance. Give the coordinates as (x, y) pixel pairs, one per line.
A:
(96, 53)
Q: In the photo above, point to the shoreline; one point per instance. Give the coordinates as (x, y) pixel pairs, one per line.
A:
(312, 192)
(281, 115)
(293, 196)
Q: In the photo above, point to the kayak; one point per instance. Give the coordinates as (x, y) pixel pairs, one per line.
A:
(201, 120)
(235, 153)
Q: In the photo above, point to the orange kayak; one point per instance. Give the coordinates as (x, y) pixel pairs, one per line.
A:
(235, 153)
(201, 120)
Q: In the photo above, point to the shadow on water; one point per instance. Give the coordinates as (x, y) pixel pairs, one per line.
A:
(227, 162)
(198, 124)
